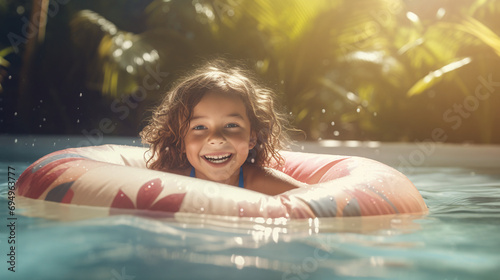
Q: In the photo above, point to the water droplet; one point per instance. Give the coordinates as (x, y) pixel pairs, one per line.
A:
(20, 10)
(81, 94)
(15, 140)
(10, 77)
(127, 44)
(15, 113)
(252, 160)
(336, 133)
(44, 119)
(332, 123)
(77, 120)
(118, 52)
(440, 13)
(323, 111)
(375, 114)
(358, 109)
(41, 101)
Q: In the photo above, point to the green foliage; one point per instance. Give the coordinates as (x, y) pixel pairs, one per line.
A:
(4, 63)
(3, 53)
(118, 56)
(385, 70)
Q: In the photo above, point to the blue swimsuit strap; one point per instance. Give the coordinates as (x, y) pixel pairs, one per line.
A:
(240, 182)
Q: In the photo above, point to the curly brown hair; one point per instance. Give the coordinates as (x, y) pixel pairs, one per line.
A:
(170, 120)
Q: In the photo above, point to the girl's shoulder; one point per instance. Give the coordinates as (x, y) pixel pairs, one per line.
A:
(267, 180)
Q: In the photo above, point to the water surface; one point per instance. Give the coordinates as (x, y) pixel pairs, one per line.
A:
(458, 239)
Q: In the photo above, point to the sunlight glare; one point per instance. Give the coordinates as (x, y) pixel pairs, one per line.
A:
(117, 52)
(440, 13)
(413, 17)
(146, 56)
(455, 65)
(127, 44)
(375, 57)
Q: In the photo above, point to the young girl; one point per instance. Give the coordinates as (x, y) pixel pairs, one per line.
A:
(218, 124)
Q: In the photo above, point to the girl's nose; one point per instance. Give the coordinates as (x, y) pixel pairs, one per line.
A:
(217, 138)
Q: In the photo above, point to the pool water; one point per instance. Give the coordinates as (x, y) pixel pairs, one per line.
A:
(458, 239)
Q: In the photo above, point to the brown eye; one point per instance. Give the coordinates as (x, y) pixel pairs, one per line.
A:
(199, 127)
(232, 125)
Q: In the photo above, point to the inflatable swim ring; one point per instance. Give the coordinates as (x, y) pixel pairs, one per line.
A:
(116, 177)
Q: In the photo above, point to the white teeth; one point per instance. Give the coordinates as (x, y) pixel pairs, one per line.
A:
(218, 159)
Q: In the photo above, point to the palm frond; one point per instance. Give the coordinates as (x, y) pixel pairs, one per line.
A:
(436, 76)
(116, 59)
(482, 32)
(3, 53)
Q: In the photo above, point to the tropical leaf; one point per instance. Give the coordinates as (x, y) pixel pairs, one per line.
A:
(4, 63)
(116, 59)
(288, 18)
(482, 32)
(484, 8)
(436, 76)
(350, 63)
(3, 53)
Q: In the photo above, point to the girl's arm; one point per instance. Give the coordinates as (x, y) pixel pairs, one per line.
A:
(269, 181)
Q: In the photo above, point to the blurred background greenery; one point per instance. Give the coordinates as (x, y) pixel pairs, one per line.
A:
(384, 70)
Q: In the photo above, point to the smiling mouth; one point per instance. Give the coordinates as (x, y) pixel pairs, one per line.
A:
(218, 158)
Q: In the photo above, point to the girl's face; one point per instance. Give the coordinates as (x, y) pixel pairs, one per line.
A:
(219, 138)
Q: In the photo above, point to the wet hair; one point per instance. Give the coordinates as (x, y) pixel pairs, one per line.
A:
(170, 120)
